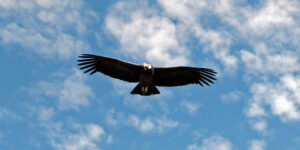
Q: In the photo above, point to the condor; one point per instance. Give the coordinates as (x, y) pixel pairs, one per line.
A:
(146, 75)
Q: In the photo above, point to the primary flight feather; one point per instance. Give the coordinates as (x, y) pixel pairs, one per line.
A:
(146, 75)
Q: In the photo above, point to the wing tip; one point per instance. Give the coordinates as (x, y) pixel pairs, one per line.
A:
(87, 63)
(87, 56)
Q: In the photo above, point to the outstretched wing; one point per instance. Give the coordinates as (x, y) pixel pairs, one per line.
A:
(177, 76)
(109, 66)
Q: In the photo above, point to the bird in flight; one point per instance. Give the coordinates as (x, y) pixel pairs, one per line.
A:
(146, 75)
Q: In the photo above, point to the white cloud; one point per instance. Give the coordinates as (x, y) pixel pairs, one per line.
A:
(149, 124)
(191, 108)
(199, 134)
(282, 97)
(145, 35)
(113, 118)
(255, 109)
(53, 29)
(69, 135)
(232, 96)
(15, 4)
(8, 115)
(257, 145)
(56, 12)
(274, 71)
(109, 139)
(48, 3)
(218, 43)
(243, 19)
(110, 120)
(271, 65)
(212, 143)
(191, 11)
(275, 23)
(266, 60)
(260, 126)
(188, 13)
(70, 92)
(184, 10)
(61, 46)
(152, 124)
(275, 12)
(87, 137)
(46, 114)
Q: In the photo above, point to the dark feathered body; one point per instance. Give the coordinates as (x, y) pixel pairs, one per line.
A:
(145, 86)
(146, 75)
(145, 78)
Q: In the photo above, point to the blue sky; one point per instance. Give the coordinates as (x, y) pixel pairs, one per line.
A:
(47, 103)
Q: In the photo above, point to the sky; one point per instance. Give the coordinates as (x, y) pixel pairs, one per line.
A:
(47, 103)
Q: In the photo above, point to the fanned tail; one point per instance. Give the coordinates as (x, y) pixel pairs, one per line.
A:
(145, 90)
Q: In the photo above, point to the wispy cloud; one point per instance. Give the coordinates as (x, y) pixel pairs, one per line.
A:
(113, 118)
(46, 114)
(257, 145)
(232, 96)
(69, 135)
(190, 107)
(8, 115)
(271, 65)
(267, 60)
(259, 42)
(274, 14)
(87, 138)
(60, 45)
(152, 124)
(265, 30)
(260, 125)
(282, 97)
(50, 28)
(71, 92)
(148, 124)
(212, 143)
(146, 35)
(188, 14)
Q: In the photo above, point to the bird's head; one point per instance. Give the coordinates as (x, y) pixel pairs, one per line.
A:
(147, 66)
